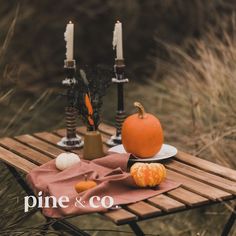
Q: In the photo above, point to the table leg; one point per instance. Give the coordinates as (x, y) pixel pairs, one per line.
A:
(229, 223)
(45, 227)
(19, 179)
(68, 228)
(136, 229)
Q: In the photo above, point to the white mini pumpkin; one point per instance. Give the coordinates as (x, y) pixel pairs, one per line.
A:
(66, 160)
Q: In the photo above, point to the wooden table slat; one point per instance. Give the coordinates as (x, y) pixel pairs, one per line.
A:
(187, 197)
(54, 139)
(120, 216)
(211, 179)
(16, 161)
(39, 145)
(198, 187)
(49, 137)
(166, 203)
(24, 151)
(206, 165)
(143, 209)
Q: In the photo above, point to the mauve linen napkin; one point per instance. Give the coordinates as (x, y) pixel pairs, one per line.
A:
(110, 174)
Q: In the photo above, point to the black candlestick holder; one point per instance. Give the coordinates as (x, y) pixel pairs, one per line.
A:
(72, 140)
(120, 80)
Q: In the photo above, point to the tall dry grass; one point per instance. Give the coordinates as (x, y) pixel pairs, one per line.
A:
(38, 48)
(202, 98)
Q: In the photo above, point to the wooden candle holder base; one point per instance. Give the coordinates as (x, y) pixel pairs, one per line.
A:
(72, 140)
(116, 139)
(71, 143)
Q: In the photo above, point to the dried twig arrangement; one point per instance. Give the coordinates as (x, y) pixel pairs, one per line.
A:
(90, 89)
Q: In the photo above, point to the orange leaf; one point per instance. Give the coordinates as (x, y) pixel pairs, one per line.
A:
(88, 104)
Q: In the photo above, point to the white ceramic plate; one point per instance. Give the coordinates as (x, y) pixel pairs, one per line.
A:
(167, 151)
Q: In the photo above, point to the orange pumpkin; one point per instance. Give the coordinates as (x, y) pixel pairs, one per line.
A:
(148, 175)
(85, 185)
(142, 133)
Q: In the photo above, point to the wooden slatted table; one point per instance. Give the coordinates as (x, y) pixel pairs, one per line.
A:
(203, 182)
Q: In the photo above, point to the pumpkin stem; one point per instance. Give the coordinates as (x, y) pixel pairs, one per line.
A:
(141, 111)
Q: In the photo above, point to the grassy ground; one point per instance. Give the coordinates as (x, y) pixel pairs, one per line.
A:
(194, 99)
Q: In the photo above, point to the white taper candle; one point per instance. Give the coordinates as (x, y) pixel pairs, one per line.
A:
(117, 40)
(69, 38)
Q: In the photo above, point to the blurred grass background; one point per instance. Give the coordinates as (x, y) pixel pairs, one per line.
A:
(180, 58)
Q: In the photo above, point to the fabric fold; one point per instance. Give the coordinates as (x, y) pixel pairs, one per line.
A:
(112, 178)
